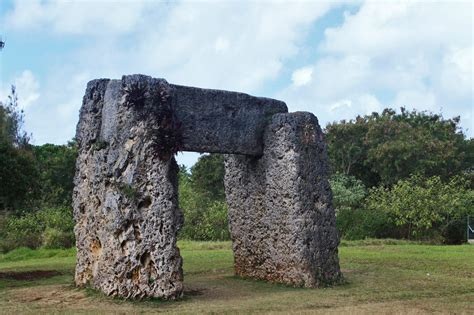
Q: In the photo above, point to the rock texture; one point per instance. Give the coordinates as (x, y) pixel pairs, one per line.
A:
(222, 121)
(125, 196)
(281, 217)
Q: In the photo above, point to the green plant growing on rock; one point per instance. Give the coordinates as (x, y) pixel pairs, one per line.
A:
(99, 145)
(134, 94)
(153, 104)
(129, 191)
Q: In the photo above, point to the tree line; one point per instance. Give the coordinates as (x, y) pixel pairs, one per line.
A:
(36, 185)
(400, 175)
(407, 175)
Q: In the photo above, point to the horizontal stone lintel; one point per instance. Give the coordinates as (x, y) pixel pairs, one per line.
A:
(222, 121)
(214, 121)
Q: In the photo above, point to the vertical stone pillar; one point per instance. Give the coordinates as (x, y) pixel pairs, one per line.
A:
(281, 217)
(125, 197)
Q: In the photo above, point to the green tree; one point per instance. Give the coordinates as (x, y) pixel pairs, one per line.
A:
(426, 208)
(207, 176)
(353, 220)
(202, 199)
(384, 148)
(412, 142)
(11, 122)
(348, 192)
(56, 164)
(348, 150)
(19, 178)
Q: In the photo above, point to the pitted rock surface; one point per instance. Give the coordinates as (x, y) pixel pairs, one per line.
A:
(222, 121)
(281, 216)
(125, 197)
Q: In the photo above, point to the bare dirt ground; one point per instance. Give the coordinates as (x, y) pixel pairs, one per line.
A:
(29, 275)
(65, 299)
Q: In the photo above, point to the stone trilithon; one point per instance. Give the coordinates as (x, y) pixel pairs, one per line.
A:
(281, 217)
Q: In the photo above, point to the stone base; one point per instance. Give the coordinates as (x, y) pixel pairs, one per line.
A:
(281, 217)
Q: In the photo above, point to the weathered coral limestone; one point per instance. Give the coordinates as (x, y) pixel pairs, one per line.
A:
(125, 197)
(281, 216)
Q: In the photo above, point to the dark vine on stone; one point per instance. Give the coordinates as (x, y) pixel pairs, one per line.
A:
(135, 94)
(153, 104)
(166, 133)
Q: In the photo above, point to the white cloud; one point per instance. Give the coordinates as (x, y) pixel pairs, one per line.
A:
(456, 75)
(393, 53)
(302, 76)
(424, 99)
(227, 45)
(369, 103)
(362, 104)
(342, 104)
(388, 28)
(222, 44)
(27, 89)
(388, 53)
(77, 17)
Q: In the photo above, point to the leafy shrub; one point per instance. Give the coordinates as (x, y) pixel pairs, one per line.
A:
(204, 219)
(361, 223)
(215, 222)
(56, 166)
(52, 228)
(205, 214)
(22, 231)
(348, 192)
(19, 178)
(58, 218)
(54, 238)
(426, 208)
(352, 220)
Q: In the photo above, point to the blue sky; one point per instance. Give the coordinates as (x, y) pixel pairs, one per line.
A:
(336, 59)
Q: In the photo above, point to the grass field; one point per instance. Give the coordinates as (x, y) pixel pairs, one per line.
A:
(382, 277)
